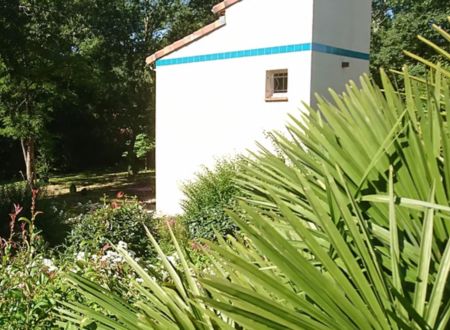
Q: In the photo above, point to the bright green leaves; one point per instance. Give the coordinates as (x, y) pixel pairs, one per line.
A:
(359, 199)
(346, 227)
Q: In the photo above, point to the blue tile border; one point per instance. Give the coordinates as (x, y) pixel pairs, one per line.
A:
(315, 47)
(321, 48)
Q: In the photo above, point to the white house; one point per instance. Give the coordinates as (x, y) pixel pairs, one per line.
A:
(219, 89)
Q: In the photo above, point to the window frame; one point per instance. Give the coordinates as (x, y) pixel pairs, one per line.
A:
(271, 94)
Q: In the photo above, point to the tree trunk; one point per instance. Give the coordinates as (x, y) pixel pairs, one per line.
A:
(28, 149)
(131, 157)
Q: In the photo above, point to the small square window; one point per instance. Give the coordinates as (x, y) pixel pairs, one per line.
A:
(277, 85)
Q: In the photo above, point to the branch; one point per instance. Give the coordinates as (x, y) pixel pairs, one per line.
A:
(22, 143)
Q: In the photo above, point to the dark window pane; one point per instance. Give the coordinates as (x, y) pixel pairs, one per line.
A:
(280, 82)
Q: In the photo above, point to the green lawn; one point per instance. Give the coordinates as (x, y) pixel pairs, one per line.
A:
(92, 186)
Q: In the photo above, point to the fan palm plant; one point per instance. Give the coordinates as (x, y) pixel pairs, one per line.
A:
(348, 229)
(354, 218)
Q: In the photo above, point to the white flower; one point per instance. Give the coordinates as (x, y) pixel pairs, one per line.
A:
(122, 245)
(52, 269)
(47, 262)
(112, 257)
(81, 256)
(132, 254)
(139, 280)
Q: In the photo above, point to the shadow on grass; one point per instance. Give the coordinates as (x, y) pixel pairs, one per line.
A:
(97, 185)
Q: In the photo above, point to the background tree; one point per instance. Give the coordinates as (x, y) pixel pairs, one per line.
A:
(74, 88)
(32, 58)
(395, 26)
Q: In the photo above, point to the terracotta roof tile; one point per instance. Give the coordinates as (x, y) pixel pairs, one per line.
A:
(217, 9)
(221, 7)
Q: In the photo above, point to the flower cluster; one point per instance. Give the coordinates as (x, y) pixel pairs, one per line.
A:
(49, 266)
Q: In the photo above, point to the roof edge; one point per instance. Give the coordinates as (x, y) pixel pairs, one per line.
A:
(218, 9)
(186, 40)
(221, 7)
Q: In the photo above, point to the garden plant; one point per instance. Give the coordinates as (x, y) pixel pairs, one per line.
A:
(348, 230)
(208, 196)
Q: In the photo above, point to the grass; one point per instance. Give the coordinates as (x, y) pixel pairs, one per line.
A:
(92, 186)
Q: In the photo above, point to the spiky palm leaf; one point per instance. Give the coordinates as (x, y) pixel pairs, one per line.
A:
(159, 307)
(355, 219)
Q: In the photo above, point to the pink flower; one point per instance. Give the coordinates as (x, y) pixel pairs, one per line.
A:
(120, 194)
(115, 205)
(16, 211)
(13, 216)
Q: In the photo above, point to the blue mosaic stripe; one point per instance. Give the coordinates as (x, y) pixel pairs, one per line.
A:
(321, 48)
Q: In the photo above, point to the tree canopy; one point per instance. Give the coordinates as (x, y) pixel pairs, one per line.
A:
(75, 92)
(395, 26)
(74, 89)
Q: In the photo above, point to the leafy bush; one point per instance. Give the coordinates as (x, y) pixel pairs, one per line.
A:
(53, 222)
(29, 279)
(115, 221)
(207, 197)
(166, 298)
(30, 273)
(29, 287)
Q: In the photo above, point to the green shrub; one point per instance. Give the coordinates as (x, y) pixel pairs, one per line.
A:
(53, 222)
(29, 287)
(116, 221)
(208, 196)
(29, 278)
(166, 298)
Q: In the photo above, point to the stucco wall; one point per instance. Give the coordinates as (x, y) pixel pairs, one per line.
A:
(211, 109)
(330, 66)
(344, 24)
